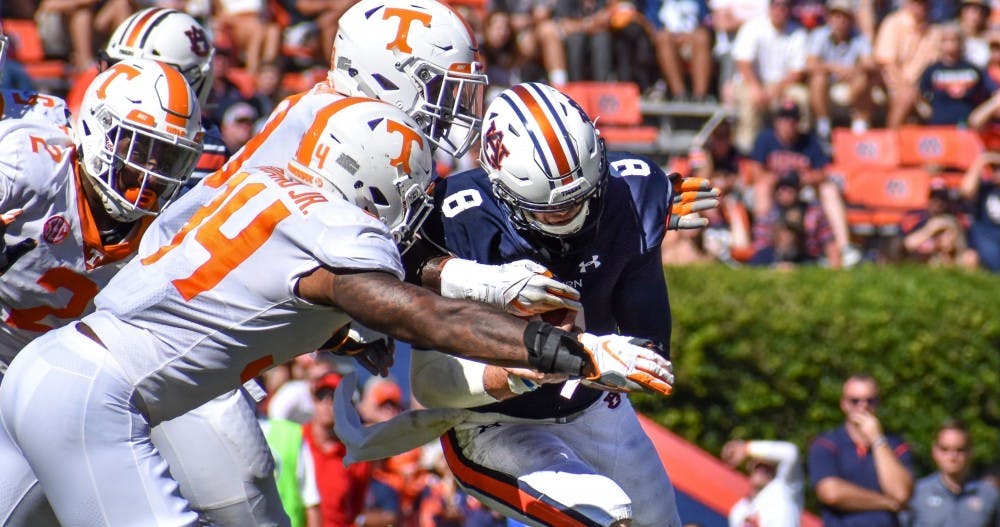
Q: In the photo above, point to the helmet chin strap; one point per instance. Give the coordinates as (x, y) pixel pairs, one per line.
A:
(565, 229)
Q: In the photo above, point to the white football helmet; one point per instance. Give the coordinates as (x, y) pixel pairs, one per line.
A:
(4, 46)
(139, 136)
(543, 155)
(375, 156)
(418, 56)
(170, 36)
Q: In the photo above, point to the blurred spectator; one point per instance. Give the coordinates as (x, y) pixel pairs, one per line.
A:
(871, 13)
(727, 18)
(523, 18)
(681, 30)
(775, 473)
(684, 247)
(382, 507)
(342, 490)
(950, 496)
(13, 76)
(255, 39)
(326, 15)
(992, 67)
(972, 18)
(237, 125)
(634, 54)
(293, 400)
(784, 151)
(904, 46)
(84, 22)
(792, 232)
(500, 52)
(861, 475)
(770, 55)
(584, 26)
(224, 92)
(952, 85)
(294, 470)
(840, 69)
(268, 91)
(941, 11)
(936, 235)
(981, 189)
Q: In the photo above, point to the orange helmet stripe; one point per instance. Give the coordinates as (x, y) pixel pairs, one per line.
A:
(551, 138)
(178, 96)
(312, 136)
(140, 24)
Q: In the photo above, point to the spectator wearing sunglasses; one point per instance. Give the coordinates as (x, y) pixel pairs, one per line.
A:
(951, 496)
(861, 475)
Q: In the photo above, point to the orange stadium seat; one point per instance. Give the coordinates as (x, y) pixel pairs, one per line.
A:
(29, 51)
(881, 198)
(875, 148)
(615, 108)
(944, 146)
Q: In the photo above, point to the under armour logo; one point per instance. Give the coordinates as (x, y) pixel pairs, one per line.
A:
(493, 149)
(199, 41)
(593, 262)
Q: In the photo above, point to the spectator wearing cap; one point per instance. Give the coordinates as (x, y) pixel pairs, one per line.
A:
(237, 125)
(775, 473)
(770, 56)
(951, 496)
(783, 151)
(841, 69)
(905, 45)
(791, 231)
(952, 86)
(342, 490)
(973, 17)
(862, 475)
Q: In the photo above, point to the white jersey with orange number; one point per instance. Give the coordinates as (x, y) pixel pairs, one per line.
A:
(54, 283)
(16, 104)
(203, 309)
(273, 146)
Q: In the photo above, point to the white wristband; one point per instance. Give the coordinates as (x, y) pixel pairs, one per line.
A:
(463, 279)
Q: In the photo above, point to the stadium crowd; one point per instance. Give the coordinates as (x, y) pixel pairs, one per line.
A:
(788, 73)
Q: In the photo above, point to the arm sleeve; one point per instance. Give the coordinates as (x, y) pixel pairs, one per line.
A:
(797, 62)
(641, 303)
(444, 381)
(745, 43)
(307, 477)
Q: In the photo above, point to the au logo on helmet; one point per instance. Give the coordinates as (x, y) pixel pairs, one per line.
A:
(493, 149)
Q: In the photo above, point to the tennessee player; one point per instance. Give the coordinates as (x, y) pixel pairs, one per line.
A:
(265, 271)
(85, 205)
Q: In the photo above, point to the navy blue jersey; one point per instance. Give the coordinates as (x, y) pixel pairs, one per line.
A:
(616, 265)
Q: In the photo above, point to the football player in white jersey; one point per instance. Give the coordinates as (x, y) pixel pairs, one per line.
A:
(86, 204)
(221, 461)
(268, 269)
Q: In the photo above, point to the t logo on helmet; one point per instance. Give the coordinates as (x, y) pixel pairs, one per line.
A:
(406, 19)
(410, 136)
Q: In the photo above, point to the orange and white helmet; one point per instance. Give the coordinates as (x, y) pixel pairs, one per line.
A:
(543, 155)
(170, 36)
(418, 56)
(139, 136)
(375, 156)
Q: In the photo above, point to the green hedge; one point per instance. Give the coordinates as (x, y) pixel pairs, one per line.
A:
(760, 353)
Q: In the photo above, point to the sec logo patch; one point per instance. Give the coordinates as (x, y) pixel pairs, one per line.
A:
(55, 230)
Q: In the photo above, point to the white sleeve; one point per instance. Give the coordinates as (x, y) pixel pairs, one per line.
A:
(797, 62)
(443, 381)
(776, 508)
(307, 477)
(786, 455)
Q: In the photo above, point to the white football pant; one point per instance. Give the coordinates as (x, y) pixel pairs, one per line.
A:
(596, 469)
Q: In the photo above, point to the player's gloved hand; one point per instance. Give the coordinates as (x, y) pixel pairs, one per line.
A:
(627, 364)
(10, 253)
(373, 350)
(522, 288)
(690, 196)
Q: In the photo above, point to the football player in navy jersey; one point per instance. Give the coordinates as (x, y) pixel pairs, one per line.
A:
(549, 193)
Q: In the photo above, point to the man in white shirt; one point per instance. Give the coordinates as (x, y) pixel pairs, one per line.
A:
(770, 56)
